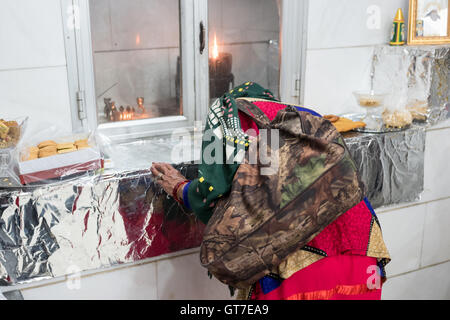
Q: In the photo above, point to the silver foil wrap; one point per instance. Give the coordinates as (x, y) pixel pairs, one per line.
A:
(414, 74)
(123, 217)
(82, 225)
(391, 164)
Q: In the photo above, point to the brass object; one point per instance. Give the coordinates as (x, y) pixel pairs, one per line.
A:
(140, 102)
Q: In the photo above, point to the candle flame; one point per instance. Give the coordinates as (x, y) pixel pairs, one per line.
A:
(215, 51)
(138, 39)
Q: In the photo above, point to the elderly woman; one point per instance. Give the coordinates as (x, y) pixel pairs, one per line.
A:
(345, 261)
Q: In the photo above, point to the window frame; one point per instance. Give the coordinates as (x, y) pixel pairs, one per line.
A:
(195, 69)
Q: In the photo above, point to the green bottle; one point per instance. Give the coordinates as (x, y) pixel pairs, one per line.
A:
(398, 29)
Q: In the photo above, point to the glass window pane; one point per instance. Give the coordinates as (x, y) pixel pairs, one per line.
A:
(243, 44)
(136, 48)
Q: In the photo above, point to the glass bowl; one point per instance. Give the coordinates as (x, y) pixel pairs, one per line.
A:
(372, 102)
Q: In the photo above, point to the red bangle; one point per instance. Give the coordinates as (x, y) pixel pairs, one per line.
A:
(175, 190)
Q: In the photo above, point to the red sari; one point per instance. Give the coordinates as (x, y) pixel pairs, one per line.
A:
(345, 261)
(343, 277)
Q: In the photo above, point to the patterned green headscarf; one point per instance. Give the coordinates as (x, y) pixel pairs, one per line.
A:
(224, 140)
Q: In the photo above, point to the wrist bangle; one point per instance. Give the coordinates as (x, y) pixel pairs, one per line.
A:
(186, 196)
(175, 190)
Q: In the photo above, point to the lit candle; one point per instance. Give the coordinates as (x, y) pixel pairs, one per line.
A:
(220, 76)
(215, 50)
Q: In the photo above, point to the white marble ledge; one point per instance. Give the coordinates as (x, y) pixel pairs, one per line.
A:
(395, 207)
(399, 206)
(440, 125)
(99, 271)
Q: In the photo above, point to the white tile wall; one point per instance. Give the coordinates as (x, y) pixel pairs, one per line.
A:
(243, 20)
(136, 282)
(441, 125)
(101, 35)
(348, 23)
(41, 94)
(31, 34)
(403, 233)
(125, 25)
(250, 63)
(431, 283)
(338, 57)
(151, 73)
(237, 21)
(131, 74)
(332, 75)
(436, 242)
(156, 22)
(437, 173)
(184, 278)
(116, 25)
(173, 55)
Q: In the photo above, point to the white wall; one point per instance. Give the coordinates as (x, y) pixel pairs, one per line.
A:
(341, 38)
(33, 74)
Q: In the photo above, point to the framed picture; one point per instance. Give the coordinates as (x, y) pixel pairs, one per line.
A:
(429, 22)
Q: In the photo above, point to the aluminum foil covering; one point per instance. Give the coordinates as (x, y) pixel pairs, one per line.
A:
(391, 165)
(123, 217)
(81, 225)
(415, 76)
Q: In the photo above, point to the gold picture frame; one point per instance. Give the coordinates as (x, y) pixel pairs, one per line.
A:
(429, 22)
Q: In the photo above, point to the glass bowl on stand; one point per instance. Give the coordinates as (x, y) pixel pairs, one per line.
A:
(373, 103)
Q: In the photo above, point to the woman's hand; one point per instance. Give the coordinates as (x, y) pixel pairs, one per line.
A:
(167, 177)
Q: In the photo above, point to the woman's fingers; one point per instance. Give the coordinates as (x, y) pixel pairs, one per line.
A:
(160, 167)
(166, 176)
(156, 174)
(166, 167)
(154, 171)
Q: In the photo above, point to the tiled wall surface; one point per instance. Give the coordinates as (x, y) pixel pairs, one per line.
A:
(138, 24)
(332, 75)
(33, 74)
(351, 23)
(430, 283)
(243, 21)
(136, 45)
(341, 38)
(181, 277)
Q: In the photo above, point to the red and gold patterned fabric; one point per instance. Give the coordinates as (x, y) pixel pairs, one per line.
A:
(343, 277)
